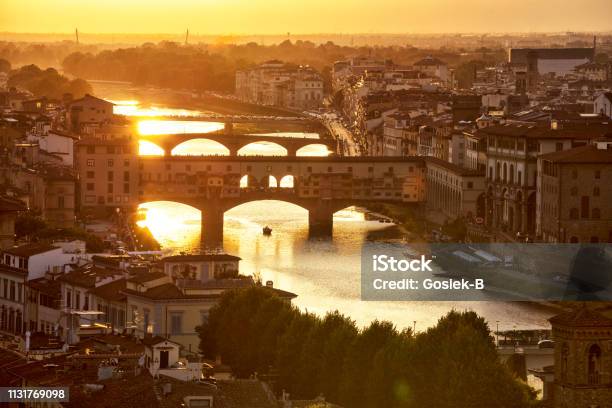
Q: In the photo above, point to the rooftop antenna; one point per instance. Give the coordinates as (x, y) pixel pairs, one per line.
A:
(76, 34)
(187, 37)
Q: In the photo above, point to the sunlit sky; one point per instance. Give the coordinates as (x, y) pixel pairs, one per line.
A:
(303, 16)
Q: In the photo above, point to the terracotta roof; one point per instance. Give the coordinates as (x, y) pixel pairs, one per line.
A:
(11, 204)
(13, 271)
(582, 317)
(146, 277)
(91, 97)
(127, 392)
(86, 276)
(153, 340)
(48, 287)
(536, 132)
(460, 171)
(582, 154)
(161, 292)
(28, 250)
(200, 258)
(110, 291)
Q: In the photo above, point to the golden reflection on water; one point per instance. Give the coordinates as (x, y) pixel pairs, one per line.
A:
(135, 108)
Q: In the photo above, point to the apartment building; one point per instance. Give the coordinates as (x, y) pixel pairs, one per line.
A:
(108, 173)
(575, 198)
(282, 85)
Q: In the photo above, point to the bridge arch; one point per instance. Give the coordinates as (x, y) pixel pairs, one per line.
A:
(148, 148)
(313, 150)
(287, 181)
(201, 146)
(262, 148)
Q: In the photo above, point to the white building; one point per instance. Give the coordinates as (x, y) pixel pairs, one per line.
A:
(603, 104)
(60, 144)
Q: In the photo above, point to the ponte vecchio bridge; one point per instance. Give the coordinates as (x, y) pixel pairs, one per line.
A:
(321, 185)
(234, 142)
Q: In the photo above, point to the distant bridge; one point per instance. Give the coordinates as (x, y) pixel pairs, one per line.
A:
(321, 185)
(234, 142)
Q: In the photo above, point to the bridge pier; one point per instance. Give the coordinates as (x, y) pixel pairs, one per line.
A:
(212, 227)
(321, 220)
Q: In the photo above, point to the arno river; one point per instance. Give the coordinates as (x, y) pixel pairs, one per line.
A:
(324, 273)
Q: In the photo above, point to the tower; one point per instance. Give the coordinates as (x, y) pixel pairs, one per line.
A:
(583, 359)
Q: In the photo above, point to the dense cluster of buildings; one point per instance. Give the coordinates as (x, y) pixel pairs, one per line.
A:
(282, 85)
(492, 150)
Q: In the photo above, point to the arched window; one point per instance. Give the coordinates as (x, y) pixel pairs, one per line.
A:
(512, 173)
(573, 214)
(594, 364)
(505, 173)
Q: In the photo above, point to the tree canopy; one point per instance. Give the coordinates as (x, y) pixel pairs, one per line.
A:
(452, 364)
(48, 82)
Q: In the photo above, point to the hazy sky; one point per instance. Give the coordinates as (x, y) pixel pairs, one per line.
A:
(304, 16)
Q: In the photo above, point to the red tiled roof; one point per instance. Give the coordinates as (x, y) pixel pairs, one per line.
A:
(582, 317)
(537, 132)
(582, 154)
(11, 204)
(28, 250)
(110, 291)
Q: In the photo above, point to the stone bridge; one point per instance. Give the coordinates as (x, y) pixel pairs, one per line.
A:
(321, 185)
(235, 142)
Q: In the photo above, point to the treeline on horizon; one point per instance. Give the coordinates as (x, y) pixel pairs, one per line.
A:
(453, 364)
(212, 67)
(47, 82)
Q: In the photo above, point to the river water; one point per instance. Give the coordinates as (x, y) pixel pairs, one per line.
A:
(324, 273)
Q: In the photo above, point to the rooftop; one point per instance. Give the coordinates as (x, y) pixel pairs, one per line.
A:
(582, 154)
(581, 317)
(28, 250)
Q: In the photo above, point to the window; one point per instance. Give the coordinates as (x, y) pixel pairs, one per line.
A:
(559, 146)
(126, 188)
(60, 202)
(597, 174)
(596, 213)
(12, 291)
(584, 207)
(90, 186)
(91, 149)
(126, 162)
(110, 189)
(90, 174)
(126, 176)
(596, 191)
(91, 162)
(110, 176)
(110, 149)
(594, 364)
(68, 298)
(470, 184)
(110, 162)
(574, 173)
(176, 321)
